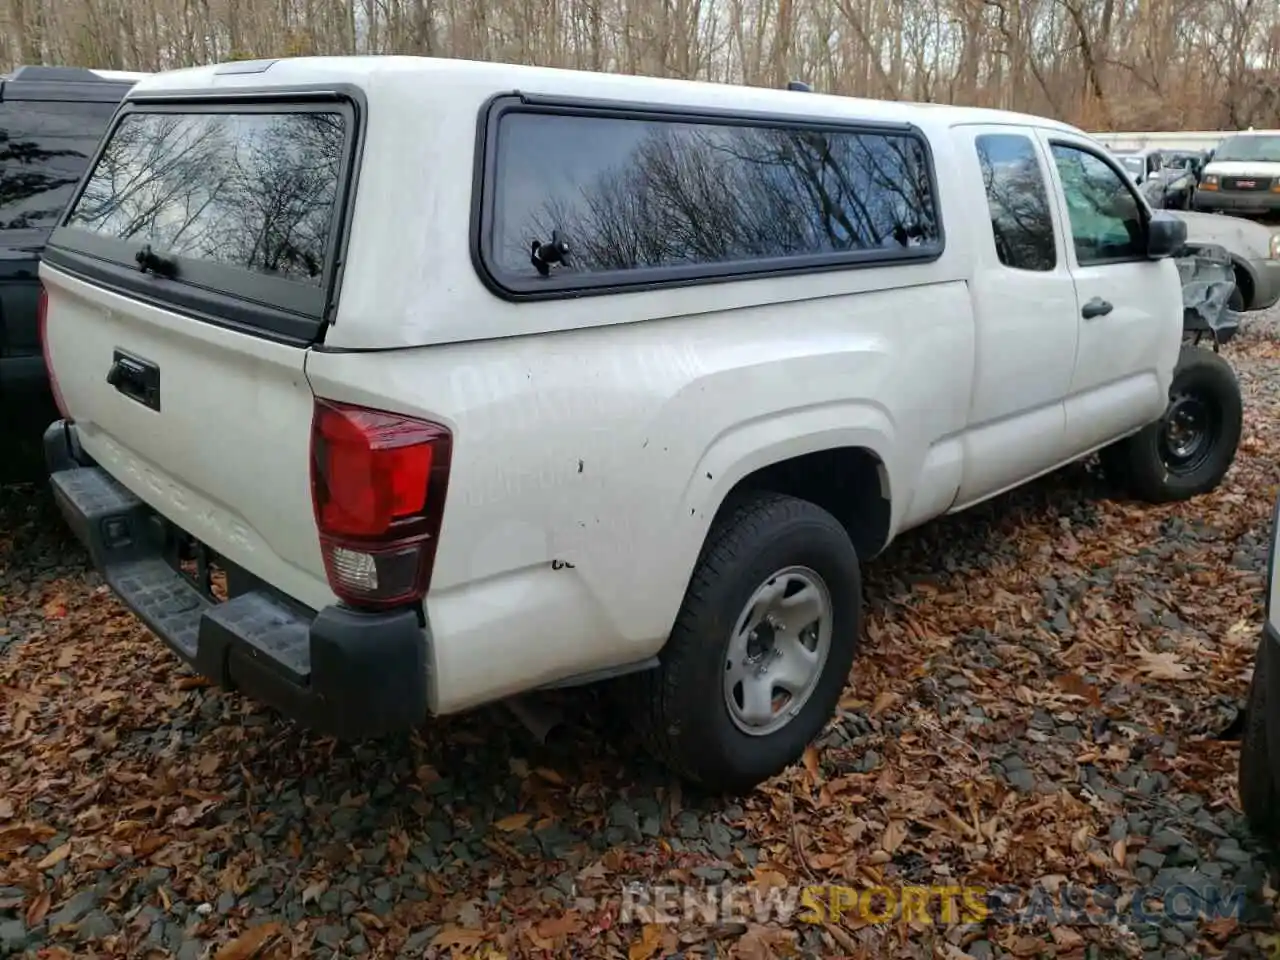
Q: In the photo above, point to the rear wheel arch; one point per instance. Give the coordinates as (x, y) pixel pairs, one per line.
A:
(1244, 282)
(851, 483)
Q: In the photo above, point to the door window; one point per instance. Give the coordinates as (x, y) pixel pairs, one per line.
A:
(1106, 218)
(1017, 201)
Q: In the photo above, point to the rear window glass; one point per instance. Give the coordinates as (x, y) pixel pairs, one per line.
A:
(256, 191)
(44, 149)
(639, 197)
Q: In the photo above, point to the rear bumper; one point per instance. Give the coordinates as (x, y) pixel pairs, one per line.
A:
(1261, 202)
(339, 671)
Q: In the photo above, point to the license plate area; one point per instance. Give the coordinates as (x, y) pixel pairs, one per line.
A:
(215, 577)
(197, 564)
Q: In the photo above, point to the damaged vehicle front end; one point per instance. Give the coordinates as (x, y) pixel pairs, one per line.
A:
(1208, 282)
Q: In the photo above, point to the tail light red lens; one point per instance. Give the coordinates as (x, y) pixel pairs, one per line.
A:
(42, 317)
(378, 483)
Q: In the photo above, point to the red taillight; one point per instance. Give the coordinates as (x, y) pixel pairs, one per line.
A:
(42, 314)
(378, 482)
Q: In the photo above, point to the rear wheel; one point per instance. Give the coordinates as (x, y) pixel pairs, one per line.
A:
(761, 649)
(1189, 450)
(1259, 781)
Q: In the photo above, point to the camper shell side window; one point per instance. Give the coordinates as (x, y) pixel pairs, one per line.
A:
(576, 198)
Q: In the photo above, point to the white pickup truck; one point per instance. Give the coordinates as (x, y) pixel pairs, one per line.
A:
(472, 379)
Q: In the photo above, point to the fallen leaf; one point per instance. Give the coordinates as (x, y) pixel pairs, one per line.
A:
(38, 909)
(562, 926)
(1162, 666)
(893, 836)
(1066, 937)
(313, 892)
(517, 821)
(883, 702)
(249, 943)
(55, 856)
(811, 762)
(6, 808)
(648, 944)
(149, 845)
(549, 775)
(454, 936)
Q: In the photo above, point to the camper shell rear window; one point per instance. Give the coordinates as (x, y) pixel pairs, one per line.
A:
(232, 212)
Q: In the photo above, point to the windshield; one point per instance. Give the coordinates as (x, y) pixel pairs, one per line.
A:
(1134, 165)
(1266, 149)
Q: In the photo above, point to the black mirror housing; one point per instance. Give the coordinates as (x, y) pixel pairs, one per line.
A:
(1166, 235)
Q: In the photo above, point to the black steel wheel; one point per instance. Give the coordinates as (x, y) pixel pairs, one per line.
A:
(1189, 450)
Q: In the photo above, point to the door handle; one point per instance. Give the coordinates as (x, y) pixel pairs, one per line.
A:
(1097, 307)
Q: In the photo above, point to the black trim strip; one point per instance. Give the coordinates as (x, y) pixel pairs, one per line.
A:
(284, 310)
(522, 288)
(198, 303)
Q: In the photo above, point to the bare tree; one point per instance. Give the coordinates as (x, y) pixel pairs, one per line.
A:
(1208, 64)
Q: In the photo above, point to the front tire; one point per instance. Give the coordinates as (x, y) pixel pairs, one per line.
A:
(761, 649)
(1189, 450)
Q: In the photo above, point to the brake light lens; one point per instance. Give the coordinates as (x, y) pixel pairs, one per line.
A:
(378, 483)
(42, 319)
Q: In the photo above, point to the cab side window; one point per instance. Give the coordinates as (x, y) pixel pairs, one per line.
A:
(1106, 219)
(1018, 201)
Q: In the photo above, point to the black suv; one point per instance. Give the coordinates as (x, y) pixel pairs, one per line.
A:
(51, 119)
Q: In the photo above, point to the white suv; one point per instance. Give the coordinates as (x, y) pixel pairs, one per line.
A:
(475, 378)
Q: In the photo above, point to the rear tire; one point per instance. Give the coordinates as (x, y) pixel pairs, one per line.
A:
(1189, 450)
(1259, 778)
(694, 710)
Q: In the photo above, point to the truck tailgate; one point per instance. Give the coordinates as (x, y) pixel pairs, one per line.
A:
(220, 446)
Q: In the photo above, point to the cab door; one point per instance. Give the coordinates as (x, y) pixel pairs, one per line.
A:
(1129, 308)
(1025, 300)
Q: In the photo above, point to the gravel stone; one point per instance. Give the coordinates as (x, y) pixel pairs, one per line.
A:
(13, 936)
(1151, 858)
(419, 941)
(623, 817)
(1022, 779)
(95, 926)
(1173, 936)
(331, 936)
(719, 839)
(75, 909)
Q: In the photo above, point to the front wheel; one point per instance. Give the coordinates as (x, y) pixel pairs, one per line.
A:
(761, 649)
(1189, 450)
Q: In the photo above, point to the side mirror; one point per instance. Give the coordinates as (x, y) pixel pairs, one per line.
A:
(1166, 235)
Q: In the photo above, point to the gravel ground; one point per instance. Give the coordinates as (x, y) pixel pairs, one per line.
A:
(1046, 696)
